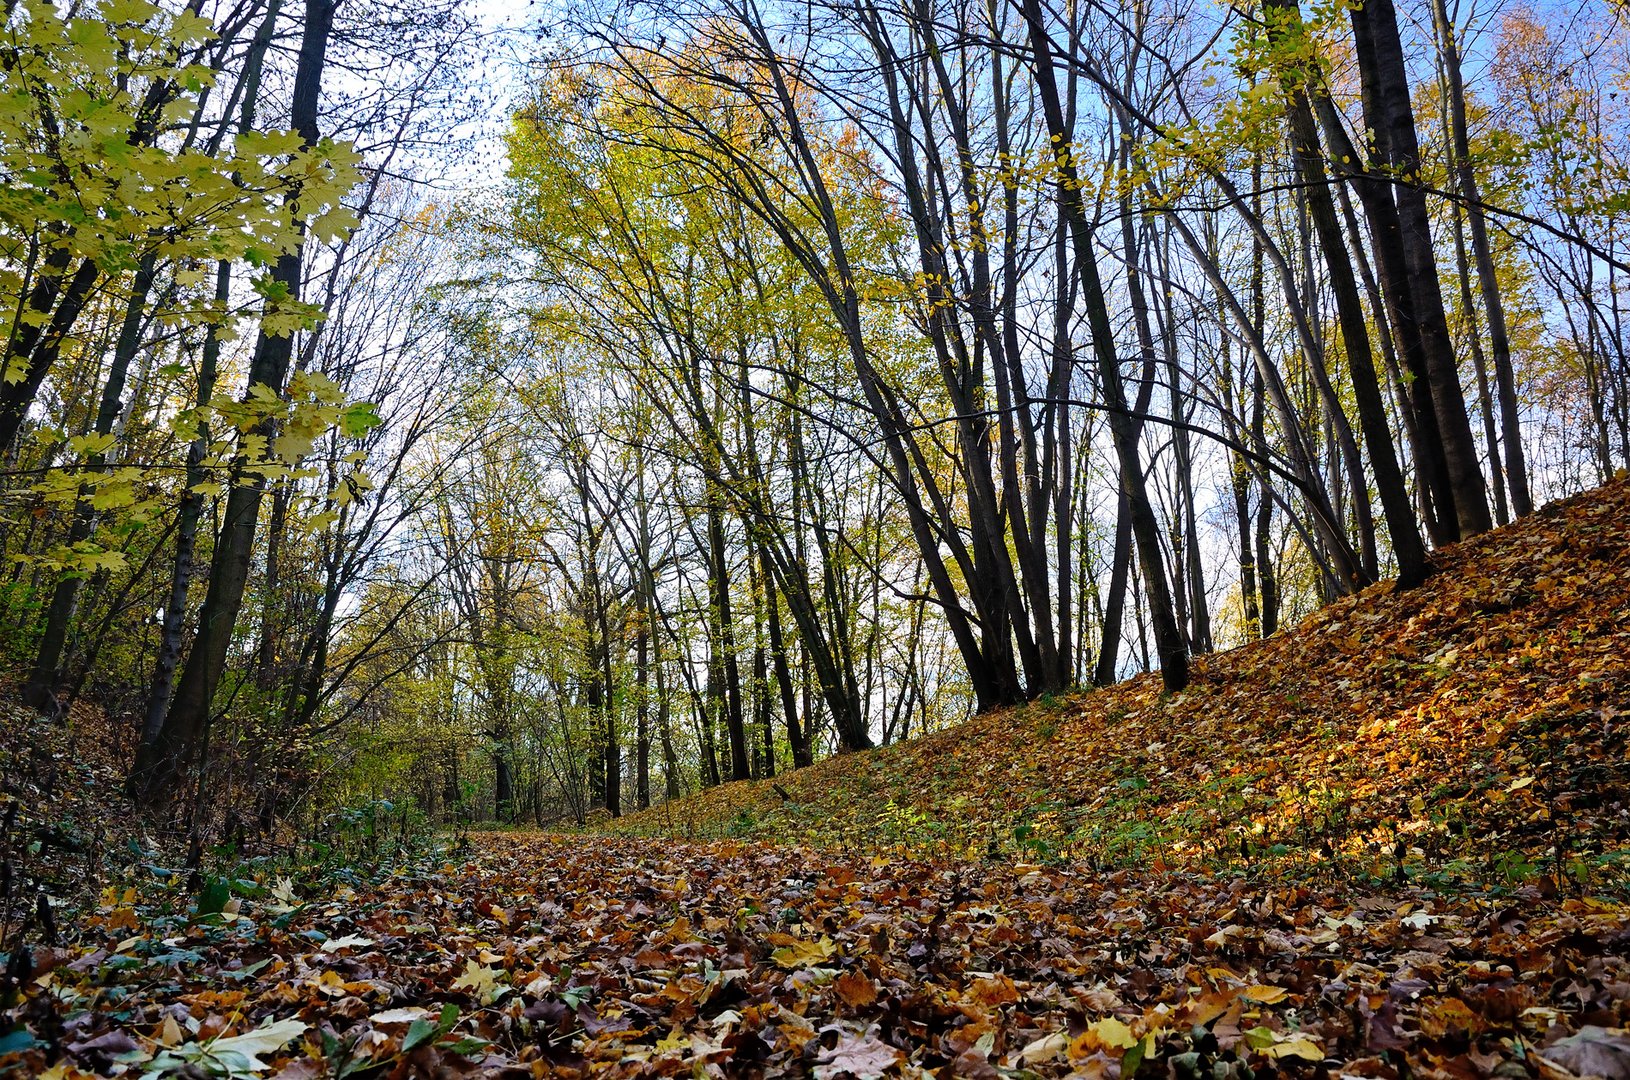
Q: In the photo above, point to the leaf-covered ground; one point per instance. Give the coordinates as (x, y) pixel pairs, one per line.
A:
(570, 956)
(1477, 728)
(1388, 843)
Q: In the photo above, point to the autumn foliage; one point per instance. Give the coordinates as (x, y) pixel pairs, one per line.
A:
(1384, 844)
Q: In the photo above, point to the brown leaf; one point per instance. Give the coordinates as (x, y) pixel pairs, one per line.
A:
(855, 989)
(1595, 1051)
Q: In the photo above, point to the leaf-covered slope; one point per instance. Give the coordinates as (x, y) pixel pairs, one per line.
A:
(63, 820)
(1475, 725)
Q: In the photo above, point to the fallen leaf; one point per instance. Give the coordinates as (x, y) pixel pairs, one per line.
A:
(480, 980)
(855, 989)
(804, 953)
(1112, 1032)
(350, 941)
(864, 1057)
(1594, 1051)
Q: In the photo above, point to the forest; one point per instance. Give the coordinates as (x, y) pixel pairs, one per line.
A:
(1168, 457)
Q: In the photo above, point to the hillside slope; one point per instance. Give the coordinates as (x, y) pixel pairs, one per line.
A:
(1473, 727)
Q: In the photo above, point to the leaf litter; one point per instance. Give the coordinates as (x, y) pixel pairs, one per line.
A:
(1386, 844)
(735, 958)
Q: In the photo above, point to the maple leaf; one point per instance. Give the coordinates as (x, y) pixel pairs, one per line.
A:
(996, 990)
(1113, 1033)
(675, 1042)
(855, 989)
(862, 1056)
(481, 981)
(804, 953)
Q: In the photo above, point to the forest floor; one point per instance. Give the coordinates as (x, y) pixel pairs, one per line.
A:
(1388, 843)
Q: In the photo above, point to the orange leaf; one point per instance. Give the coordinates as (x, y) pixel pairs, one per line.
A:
(855, 989)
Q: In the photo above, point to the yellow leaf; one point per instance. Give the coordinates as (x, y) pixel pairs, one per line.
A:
(804, 953)
(1266, 995)
(1111, 1032)
(676, 1042)
(480, 980)
(1300, 1047)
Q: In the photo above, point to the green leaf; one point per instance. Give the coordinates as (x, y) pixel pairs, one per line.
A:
(212, 901)
(357, 420)
(1135, 1055)
(418, 1033)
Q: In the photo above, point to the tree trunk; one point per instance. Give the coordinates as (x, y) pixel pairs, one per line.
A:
(46, 677)
(160, 762)
(1407, 545)
(1516, 464)
(1385, 89)
(1169, 638)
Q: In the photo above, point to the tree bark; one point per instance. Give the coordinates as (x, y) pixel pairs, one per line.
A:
(1385, 89)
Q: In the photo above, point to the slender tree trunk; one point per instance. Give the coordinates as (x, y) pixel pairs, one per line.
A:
(1516, 465)
(1114, 617)
(1267, 577)
(796, 739)
(642, 642)
(36, 352)
(46, 677)
(272, 603)
(1387, 111)
(191, 509)
(719, 580)
(188, 516)
(612, 747)
(161, 761)
(670, 758)
(1407, 544)
(1169, 638)
(1480, 368)
(1401, 306)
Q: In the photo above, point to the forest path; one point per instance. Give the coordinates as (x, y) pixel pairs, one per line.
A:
(547, 955)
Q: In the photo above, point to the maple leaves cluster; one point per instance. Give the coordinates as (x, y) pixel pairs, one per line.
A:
(592, 956)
